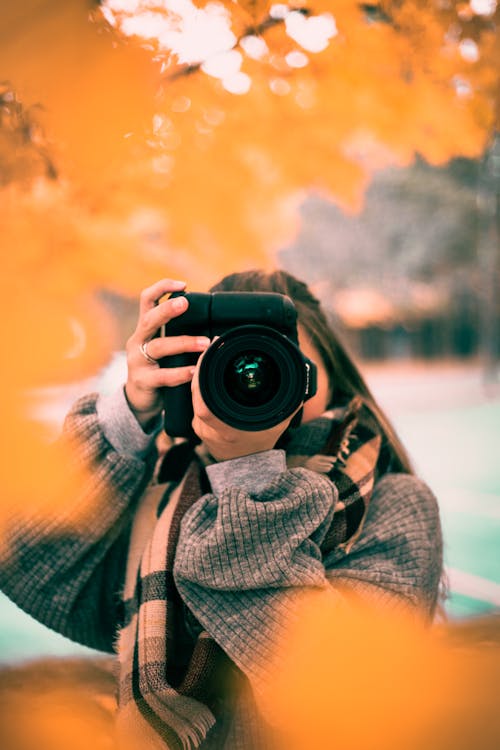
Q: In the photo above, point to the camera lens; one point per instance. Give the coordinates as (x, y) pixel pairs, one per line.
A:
(251, 378)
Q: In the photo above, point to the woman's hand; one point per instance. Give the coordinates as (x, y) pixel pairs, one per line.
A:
(145, 377)
(224, 442)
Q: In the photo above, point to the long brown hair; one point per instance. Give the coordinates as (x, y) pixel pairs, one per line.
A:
(345, 379)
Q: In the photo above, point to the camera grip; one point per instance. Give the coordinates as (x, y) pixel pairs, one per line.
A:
(177, 400)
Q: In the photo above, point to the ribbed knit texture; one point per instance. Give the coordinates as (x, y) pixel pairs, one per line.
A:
(240, 559)
(72, 581)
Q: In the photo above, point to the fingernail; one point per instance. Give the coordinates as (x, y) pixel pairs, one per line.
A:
(178, 284)
(179, 303)
(202, 342)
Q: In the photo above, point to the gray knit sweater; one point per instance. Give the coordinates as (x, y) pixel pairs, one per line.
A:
(72, 581)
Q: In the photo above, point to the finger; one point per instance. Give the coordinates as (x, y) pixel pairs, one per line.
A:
(150, 296)
(157, 316)
(204, 430)
(166, 376)
(167, 346)
(214, 430)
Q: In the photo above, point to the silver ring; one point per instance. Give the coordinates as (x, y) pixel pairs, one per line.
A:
(143, 350)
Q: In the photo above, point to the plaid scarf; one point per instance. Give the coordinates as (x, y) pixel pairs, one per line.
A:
(174, 679)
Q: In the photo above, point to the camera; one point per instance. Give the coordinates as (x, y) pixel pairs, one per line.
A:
(253, 376)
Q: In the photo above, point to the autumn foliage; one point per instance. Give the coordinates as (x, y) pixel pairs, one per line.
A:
(369, 677)
(359, 677)
(128, 156)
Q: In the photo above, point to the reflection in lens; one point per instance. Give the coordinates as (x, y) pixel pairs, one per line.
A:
(252, 378)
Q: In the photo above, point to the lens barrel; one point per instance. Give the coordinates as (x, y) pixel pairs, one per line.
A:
(253, 377)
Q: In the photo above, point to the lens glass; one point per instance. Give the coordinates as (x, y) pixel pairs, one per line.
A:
(252, 378)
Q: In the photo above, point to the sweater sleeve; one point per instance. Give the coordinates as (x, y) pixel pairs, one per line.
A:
(400, 552)
(243, 556)
(68, 573)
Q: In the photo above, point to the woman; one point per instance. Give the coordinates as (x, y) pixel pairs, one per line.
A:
(191, 570)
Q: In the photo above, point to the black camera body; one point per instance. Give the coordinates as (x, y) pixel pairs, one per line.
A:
(253, 376)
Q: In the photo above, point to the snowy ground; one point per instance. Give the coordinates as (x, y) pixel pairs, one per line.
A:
(449, 420)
